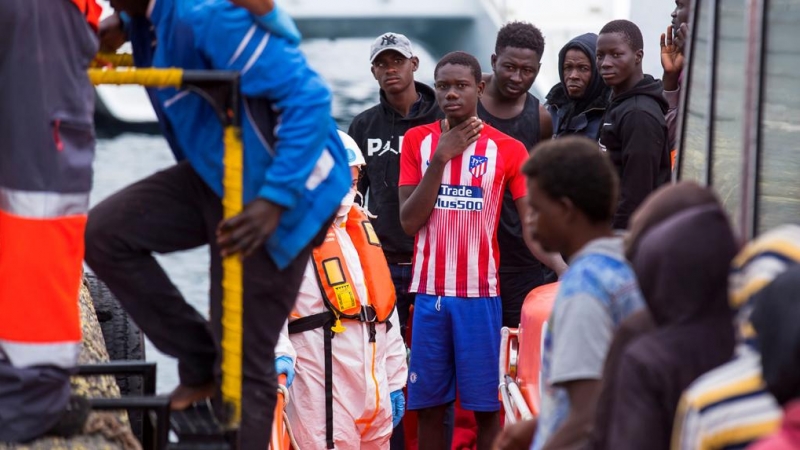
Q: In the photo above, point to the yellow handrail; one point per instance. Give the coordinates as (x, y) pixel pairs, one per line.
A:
(113, 59)
(232, 291)
(143, 77)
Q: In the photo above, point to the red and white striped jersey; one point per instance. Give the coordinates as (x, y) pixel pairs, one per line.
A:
(455, 252)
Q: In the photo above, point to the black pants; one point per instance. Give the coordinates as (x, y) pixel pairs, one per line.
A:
(514, 287)
(175, 210)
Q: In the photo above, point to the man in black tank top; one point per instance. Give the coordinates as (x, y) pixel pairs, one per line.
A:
(507, 105)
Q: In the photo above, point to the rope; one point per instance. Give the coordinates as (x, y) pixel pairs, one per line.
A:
(113, 59)
(289, 431)
(143, 77)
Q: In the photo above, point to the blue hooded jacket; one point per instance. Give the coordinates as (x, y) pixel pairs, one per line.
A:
(293, 156)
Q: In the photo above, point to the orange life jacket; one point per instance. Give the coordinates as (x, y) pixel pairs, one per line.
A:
(336, 282)
(91, 10)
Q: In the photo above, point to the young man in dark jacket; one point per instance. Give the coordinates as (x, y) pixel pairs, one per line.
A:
(579, 101)
(507, 105)
(633, 132)
(378, 131)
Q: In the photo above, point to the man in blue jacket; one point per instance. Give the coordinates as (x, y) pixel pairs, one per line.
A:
(295, 174)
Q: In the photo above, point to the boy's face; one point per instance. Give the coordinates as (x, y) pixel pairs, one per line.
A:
(457, 92)
(546, 218)
(394, 72)
(515, 70)
(616, 60)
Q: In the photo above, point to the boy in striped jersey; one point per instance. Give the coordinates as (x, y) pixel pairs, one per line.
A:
(452, 177)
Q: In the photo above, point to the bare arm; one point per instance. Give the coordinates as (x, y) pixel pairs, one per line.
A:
(545, 124)
(574, 432)
(551, 260)
(417, 202)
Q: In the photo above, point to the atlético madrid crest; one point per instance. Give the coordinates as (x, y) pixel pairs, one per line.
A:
(477, 165)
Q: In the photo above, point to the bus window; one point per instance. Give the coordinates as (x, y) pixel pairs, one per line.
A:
(727, 151)
(695, 129)
(779, 168)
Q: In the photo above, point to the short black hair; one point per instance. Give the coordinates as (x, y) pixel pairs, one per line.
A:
(629, 31)
(575, 168)
(519, 35)
(460, 59)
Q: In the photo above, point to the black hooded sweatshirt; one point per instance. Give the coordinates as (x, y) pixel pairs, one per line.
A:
(379, 131)
(582, 116)
(682, 266)
(634, 133)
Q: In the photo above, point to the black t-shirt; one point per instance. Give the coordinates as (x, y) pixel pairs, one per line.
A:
(514, 254)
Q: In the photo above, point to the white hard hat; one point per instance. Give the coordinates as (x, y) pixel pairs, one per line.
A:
(354, 155)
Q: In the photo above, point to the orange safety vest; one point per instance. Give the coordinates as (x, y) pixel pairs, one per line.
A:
(91, 10)
(336, 283)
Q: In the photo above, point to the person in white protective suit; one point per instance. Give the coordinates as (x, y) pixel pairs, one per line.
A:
(346, 305)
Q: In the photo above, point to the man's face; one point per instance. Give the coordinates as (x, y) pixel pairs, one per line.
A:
(577, 73)
(616, 60)
(135, 8)
(546, 218)
(680, 15)
(515, 70)
(394, 72)
(457, 92)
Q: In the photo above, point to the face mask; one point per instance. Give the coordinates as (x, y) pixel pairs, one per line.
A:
(347, 203)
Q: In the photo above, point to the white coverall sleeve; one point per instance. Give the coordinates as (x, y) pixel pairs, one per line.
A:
(284, 346)
(396, 361)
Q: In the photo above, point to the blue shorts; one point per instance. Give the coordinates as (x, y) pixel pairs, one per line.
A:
(455, 342)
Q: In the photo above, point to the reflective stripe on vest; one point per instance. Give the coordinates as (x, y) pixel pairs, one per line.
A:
(41, 254)
(91, 10)
(336, 282)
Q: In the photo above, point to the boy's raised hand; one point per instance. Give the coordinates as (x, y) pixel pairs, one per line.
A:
(455, 141)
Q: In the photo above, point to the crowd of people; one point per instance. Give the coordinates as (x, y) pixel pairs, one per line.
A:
(665, 331)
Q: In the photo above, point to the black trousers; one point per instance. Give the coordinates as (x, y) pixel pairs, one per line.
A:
(175, 210)
(514, 287)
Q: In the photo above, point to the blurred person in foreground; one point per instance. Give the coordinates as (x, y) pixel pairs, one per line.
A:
(294, 175)
(730, 406)
(658, 207)
(775, 319)
(572, 194)
(47, 145)
(682, 266)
